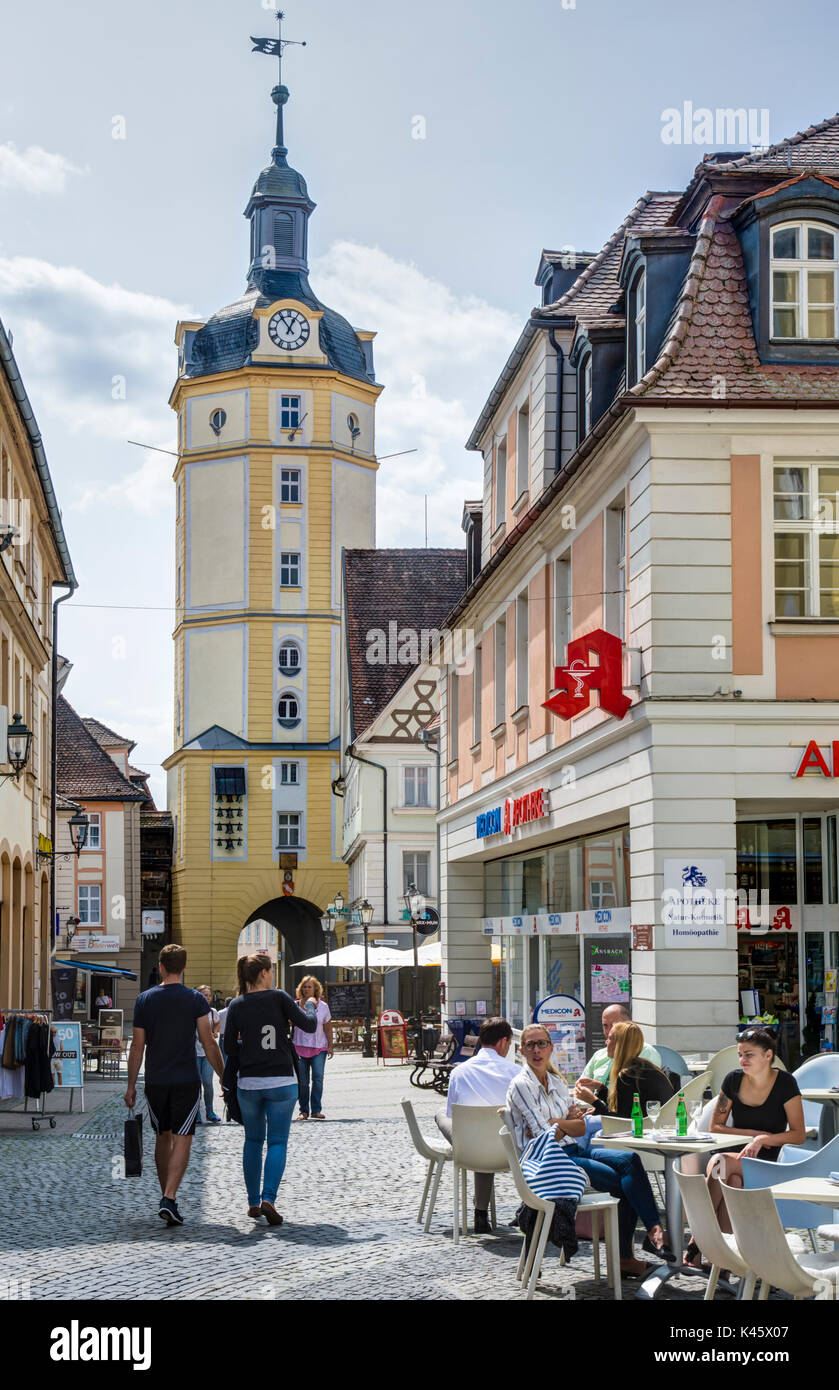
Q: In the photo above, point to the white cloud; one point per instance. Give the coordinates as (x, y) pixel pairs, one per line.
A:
(103, 358)
(438, 355)
(34, 170)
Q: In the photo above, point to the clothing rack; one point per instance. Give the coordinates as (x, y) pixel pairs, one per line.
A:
(10, 1105)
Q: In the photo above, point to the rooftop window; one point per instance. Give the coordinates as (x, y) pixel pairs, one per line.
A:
(804, 268)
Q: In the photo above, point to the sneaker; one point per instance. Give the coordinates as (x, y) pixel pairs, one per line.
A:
(199, 1121)
(255, 1213)
(168, 1212)
(214, 1119)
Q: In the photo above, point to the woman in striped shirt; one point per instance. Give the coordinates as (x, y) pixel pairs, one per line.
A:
(547, 1126)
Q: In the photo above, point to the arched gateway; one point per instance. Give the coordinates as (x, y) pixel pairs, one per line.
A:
(297, 923)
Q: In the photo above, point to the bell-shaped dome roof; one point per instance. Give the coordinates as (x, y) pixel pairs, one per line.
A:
(279, 180)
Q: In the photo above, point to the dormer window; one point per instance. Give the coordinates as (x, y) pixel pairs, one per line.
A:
(640, 326)
(585, 396)
(804, 270)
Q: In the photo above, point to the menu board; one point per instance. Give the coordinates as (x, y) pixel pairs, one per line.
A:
(347, 1001)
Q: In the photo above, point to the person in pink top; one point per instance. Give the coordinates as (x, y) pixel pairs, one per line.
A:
(312, 1050)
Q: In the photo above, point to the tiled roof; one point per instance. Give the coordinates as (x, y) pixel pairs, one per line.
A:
(818, 144)
(104, 736)
(595, 290)
(84, 770)
(415, 589)
(710, 349)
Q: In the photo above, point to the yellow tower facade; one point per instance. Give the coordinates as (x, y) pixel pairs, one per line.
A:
(275, 398)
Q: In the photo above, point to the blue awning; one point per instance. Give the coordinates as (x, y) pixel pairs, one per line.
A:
(94, 968)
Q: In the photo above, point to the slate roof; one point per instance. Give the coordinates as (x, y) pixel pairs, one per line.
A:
(415, 589)
(84, 770)
(227, 340)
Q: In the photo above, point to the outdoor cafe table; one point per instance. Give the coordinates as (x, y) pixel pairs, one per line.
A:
(667, 1146)
(818, 1190)
(829, 1102)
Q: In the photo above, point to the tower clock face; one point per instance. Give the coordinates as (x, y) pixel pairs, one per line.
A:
(288, 329)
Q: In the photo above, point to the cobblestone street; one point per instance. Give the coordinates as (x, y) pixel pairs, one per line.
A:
(77, 1230)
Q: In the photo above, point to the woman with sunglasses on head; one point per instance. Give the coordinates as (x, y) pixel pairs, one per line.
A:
(765, 1106)
(547, 1126)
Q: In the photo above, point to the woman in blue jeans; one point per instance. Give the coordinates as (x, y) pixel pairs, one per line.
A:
(313, 1052)
(260, 1058)
(539, 1100)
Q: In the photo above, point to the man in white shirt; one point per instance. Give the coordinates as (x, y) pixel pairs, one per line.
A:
(600, 1065)
(483, 1080)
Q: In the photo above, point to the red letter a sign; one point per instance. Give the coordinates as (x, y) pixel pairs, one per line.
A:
(575, 682)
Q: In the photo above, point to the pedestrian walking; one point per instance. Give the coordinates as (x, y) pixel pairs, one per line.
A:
(205, 1069)
(260, 1064)
(165, 1022)
(222, 1020)
(313, 1052)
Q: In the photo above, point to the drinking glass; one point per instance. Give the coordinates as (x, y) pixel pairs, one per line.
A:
(653, 1110)
(696, 1108)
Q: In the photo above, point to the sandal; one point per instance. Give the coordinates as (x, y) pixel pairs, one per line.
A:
(663, 1251)
(693, 1258)
(301, 1116)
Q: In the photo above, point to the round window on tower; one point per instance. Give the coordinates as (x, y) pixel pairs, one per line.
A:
(289, 658)
(218, 420)
(353, 427)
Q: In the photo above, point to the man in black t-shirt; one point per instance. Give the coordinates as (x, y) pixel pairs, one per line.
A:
(165, 1022)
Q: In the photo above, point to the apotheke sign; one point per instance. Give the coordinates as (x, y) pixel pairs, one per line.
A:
(813, 760)
(516, 811)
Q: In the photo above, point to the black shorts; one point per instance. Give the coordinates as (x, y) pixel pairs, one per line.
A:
(173, 1108)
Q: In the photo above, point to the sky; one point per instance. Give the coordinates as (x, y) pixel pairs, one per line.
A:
(130, 137)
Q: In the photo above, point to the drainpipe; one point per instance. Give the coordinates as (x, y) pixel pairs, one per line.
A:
(54, 764)
(351, 753)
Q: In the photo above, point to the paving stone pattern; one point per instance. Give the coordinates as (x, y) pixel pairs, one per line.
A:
(349, 1197)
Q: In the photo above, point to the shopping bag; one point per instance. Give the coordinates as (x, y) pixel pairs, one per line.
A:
(133, 1145)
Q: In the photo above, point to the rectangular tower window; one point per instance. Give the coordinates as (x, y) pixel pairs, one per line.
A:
(477, 691)
(500, 711)
(562, 609)
(522, 638)
(289, 774)
(288, 830)
(289, 484)
(289, 412)
(523, 450)
(289, 569)
(500, 483)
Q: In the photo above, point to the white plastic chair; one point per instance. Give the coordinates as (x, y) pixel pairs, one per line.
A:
(763, 1245)
(726, 1060)
(592, 1202)
(718, 1247)
(530, 1261)
(437, 1154)
(476, 1148)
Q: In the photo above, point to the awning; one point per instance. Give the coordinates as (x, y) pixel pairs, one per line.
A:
(230, 781)
(95, 969)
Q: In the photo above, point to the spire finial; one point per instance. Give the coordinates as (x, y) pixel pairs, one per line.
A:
(279, 94)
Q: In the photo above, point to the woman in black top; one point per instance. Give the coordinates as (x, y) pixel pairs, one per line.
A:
(765, 1107)
(261, 1060)
(631, 1073)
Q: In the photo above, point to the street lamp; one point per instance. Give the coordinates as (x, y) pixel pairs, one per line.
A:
(78, 824)
(366, 912)
(18, 744)
(326, 928)
(339, 904)
(415, 904)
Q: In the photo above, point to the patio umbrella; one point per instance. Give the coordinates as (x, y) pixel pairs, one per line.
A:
(352, 958)
(429, 954)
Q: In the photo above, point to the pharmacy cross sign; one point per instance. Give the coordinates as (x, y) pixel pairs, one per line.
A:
(574, 682)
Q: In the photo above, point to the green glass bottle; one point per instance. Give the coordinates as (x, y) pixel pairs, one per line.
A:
(637, 1117)
(681, 1116)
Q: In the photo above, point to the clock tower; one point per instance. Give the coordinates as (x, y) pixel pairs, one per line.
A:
(275, 399)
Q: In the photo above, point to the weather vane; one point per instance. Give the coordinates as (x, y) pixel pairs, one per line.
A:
(275, 48)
